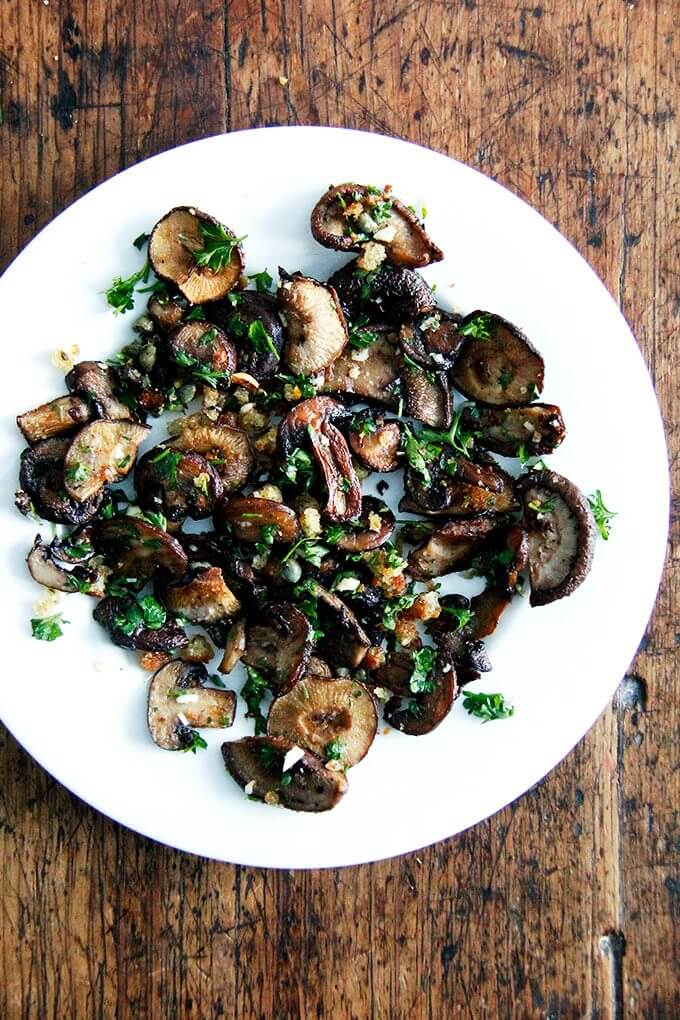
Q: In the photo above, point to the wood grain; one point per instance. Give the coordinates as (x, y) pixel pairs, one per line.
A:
(564, 905)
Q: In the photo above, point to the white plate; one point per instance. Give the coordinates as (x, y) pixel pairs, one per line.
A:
(78, 704)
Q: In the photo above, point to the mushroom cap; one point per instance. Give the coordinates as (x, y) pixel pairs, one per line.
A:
(279, 644)
(177, 483)
(371, 530)
(371, 374)
(104, 451)
(93, 379)
(178, 700)
(41, 477)
(539, 428)
(424, 712)
(259, 761)
(236, 320)
(247, 515)
(166, 638)
(134, 548)
(172, 246)
(502, 369)
(427, 396)
(379, 449)
(394, 294)
(451, 547)
(204, 347)
(316, 327)
(59, 416)
(226, 448)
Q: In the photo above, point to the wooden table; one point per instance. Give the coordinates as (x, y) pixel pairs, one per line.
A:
(564, 905)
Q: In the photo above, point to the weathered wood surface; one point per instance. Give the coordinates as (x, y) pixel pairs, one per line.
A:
(574, 107)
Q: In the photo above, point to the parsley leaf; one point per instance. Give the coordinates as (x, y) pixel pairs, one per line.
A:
(120, 294)
(414, 455)
(253, 692)
(479, 327)
(421, 680)
(263, 281)
(218, 246)
(48, 628)
(335, 750)
(260, 339)
(487, 706)
(197, 742)
(601, 514)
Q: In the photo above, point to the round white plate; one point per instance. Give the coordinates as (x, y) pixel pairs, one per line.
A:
(78, 704)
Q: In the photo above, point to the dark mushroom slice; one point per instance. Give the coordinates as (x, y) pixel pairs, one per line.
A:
(122, 618)
(76, 548)
(317, 712)
(350, 215)
(198, 649)
(311, 421)
(206, 598)
(227, 449)
(561, 533)
(179, 252)
(497, 364)
(234, 646)
(392, 294)
(165, 312)
(252, 321)
(94, 380)
(459, 488)
(376, 442)
(65, 414)
(44, 567)
(204, 351)
(395, 672)
(146, 395)
(316, 329)
(177, 484)
(463, 639)
(368, 374)
(425, 711)
(368, 604)
(503, 557)
(104, 451)
(451, 547)
(179, 701)
(135, 549)
(248, 515)
(369, 531)
(257, 764)
(537, 428)
(345, 642)
(43, 491)
(427, 396)
(432, 339)
(318, 667)
(279, 645)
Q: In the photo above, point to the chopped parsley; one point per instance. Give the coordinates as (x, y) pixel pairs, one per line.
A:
(148, 612)
(393, 607)
(546, 507)
(307, 549)
(367, 276)
(121, 293)
(195, 315)
(367, 427)
(487, 706)
(415, 455)
(480, 327)
(421, 680)
(77, 550)
(335, 750)
(157, 519)
(298, 468)
(602, 515)
(78, 473)
(140, 241)
(196, 742)
(253, 692)
(263, 281)
(218, 246)
(48, 628)
(199, 369)
(505, 378)
(260, 339)
(461, 615)
(360, 336)
(168, 461)
(268, 534)
(303, 382)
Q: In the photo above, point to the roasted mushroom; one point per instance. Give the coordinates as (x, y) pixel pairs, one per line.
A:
(369, 531)
(65, 414)
(204, 351)
(345, 642)
(248, 515)
(93, 380)
(234, 646)
(259, 766)
(165, 312)
(197, 253)
(561, 535)
(427, 396)
(312, 421)
(368, 374)
(252, 321)
(458, 487)
(176, 483)
(351, 216)
(136, 550)
(316, 326)
(129, 626)
(375, 441)
(45, 568)
(451, 547)
(102, 452)
(536, 429)
(463, 623)
(427, 707)
(497, 365)
(227, 449)
(206, 598)
(43, 491)
(279, 645)
(392, 294)
(335, 719)
(318, 667)
(432, 339)
(179, 700)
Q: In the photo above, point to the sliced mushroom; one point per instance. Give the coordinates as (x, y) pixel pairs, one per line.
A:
(45, 569)
(248, 515)
(115, 614)
(145, 394)
(227, 449)
(179, 700)
(350, 215)
(312, 421)
(561, 535)
(392, 294)
(538, 428)
(319, 711)
(318, 667)
(178, 484)
(256, 763)
(425, 711)
(345, 642)
(427, 396)
(205, 599)
(498, 365)
(234, 646)
(376, 442)
(451, 547)
(432, 339)
(179, 253)
(279, 645)
(371, 530)
(459, 488)
(369, 374)
(316, 326)
(41, 477)
(65, 414)
(102, 452)
(204, 351)
(93, 379)
(252, 321)
(198, 649)
(464, 642)
(135, 549)
(166, 312)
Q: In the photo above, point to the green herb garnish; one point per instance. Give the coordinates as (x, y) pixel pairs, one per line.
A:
(421, 680)
(48, 628)
(120, 294)
(546, 507)
(487, 706)
(168, 461)
(196, 742)
(335, 750)
(218, 246)
(253, 692)
(479, 327)
(461, 615)
(601, 514)
(260, 339)
(263, 281)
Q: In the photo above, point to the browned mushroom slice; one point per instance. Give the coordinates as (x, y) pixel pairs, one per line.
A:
(561, 535)
(318, 667)
(92, 379)
(44, 568)
(197, 253)
(393, 294)
(279, 645)
(335, 719)
(176, 483)
(133, 548)
(349, 216)
(536, 429)
(198, 649)
(179, 701)
(427, 396)
(346, 642)
(427, 708)
(205, 599)
(252, 321)
(166, 313)
(463, 623)
(102, 452)
(316, 326)
(459, 488)
(234, 646)
(371, 373)
(432, 339)
(248, 515)
(226, 448)
(42, 492)
(376, 442)
(395, 672)
(204, 351)
(257, 764)
(451, 547)
(65, 414)
(497, 364)
(311, 421)
(371, 530)
(127, 627)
